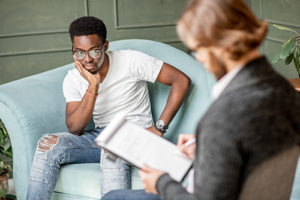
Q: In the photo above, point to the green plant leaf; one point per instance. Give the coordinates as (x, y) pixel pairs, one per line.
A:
(276, 58)
(287, 48)
(296, 57)
(285, 28)
(1, 124)
(297, 62)
(11, 196)
(7, 144)
(289, 59)
(3, 192)
(2, 128)
(1, 138)
(7, 154)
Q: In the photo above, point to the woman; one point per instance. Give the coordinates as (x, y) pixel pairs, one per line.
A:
(254, 115)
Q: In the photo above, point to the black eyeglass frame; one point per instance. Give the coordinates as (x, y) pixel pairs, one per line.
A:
(99, 49)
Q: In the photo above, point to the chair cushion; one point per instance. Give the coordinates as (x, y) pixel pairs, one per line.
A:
(83, 180)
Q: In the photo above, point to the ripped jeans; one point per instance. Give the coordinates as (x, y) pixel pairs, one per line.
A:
(55, 150)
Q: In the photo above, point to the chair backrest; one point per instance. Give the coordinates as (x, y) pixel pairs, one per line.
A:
(273, 179)
(199, 97)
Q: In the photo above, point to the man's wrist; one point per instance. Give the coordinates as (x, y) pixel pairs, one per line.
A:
(92, 91)
(161, 126)
(91, 94)
(162, 132)
(93, 88)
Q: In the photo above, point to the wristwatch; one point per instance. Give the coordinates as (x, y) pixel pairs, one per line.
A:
(161, 126)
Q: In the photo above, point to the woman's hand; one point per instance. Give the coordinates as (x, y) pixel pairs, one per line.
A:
(149, 176)
(189, 150)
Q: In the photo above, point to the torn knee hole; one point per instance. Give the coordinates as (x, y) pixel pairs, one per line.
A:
(47, 143)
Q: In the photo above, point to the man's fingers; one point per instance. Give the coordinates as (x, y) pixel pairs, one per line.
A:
(81, 69)
(142, 174)
(78, 66)
(182, 148)
(98, 77)
(189, 151)
(183, 138)
(146, 168)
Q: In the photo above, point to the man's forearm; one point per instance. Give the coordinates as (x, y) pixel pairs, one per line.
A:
(175, 99)
(78, 119)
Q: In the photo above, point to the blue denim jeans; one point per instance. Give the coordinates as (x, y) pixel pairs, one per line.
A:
(130, 195)
(115, 174)
(55, 150)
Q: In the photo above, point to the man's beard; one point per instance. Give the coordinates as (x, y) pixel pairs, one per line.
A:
(216, 66)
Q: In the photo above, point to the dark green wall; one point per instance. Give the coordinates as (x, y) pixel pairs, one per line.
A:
(34, 33)
(281, 12)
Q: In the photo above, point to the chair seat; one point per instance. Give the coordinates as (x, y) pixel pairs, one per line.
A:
(78, 181)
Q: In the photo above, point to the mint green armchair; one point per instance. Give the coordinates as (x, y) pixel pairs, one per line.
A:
(33, 106)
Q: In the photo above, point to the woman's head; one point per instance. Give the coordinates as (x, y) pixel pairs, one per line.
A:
(225, 24)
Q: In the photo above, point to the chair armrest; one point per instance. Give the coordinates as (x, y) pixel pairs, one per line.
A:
(29, 108)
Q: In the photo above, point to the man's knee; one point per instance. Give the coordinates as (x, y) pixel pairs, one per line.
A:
(47, 142)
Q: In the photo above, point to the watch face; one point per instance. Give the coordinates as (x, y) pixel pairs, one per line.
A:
(160, 124)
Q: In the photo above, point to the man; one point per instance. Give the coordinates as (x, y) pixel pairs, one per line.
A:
(255, 114)
(103, 84)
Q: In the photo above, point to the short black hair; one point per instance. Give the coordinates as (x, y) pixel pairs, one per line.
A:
(87, 26)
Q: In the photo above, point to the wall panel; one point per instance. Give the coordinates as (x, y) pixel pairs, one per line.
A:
(16, 67)
(146, 13)
(29, 16)
(281, 12)
(142, 19)
(34, 33)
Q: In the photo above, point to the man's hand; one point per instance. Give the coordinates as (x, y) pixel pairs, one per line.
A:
(190, 150)
(154, 130)
(93, 79)
(149, 177)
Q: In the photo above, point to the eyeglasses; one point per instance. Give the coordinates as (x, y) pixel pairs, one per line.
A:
(193, 52)
(93, 53)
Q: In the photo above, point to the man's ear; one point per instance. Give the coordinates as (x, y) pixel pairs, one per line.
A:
(106, 45)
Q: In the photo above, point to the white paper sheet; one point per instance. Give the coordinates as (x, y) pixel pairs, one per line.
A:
(138, 146)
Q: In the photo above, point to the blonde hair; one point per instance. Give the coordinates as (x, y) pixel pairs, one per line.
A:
(229, 24)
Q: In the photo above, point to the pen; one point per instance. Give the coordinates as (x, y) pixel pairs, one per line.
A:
(189, 142)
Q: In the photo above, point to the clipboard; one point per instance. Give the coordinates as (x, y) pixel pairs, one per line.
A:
(138, 146)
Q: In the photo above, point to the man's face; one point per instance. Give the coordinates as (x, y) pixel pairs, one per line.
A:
(211, 57)
(211, 61)
(84, 44)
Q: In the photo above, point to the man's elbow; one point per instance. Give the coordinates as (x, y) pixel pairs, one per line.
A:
(185, 82)
(72, 129)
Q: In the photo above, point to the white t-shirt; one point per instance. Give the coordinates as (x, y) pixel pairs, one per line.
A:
(124, 88)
